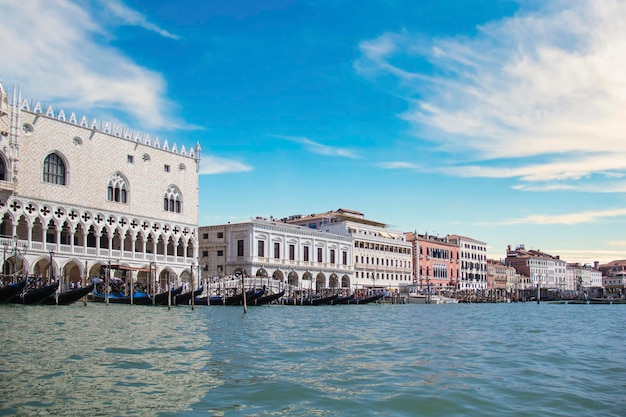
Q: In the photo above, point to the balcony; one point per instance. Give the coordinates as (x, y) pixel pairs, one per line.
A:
(7, 186)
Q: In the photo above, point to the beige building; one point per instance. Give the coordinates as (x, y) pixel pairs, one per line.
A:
(78, 195)
(382, 258)
(497, 278)
(543, 269)
(301, 257)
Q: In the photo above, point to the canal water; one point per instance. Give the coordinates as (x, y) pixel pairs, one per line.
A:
(350, 360)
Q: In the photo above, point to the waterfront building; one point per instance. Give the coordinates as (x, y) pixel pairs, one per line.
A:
(473, 255)
(515, 283)
(302, 257)
(497, 274)
(382, 258)
(544, 269)
(436, 261)
(614, 276)
(78, 197)
(583, 277)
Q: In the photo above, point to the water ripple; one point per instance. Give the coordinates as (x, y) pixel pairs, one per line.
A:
(369, 360)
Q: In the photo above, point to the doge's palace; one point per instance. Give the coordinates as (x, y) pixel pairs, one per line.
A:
(81, 198)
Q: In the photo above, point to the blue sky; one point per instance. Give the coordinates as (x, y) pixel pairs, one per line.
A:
(496, 119)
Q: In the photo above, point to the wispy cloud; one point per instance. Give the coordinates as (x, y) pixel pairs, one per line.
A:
(320, 148)
(399, 165)
(567, 218)
(60, 55)
(216, 165)
(538, 96)
(585, 256)
(128, 16)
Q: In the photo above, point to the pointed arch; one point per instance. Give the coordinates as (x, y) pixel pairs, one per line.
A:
(117, 188)
(173, 199)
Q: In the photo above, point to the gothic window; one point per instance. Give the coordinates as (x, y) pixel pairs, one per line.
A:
(54, 169)
(117, 189)
(172, 200)
(3, 174)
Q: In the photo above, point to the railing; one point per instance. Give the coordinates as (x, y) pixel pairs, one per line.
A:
(44, 248)
(7, 186)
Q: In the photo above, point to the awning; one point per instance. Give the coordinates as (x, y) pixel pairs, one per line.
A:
(130, 268)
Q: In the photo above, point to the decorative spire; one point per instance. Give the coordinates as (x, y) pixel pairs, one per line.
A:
(4, 100)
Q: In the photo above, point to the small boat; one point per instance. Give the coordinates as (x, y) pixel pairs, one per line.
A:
(267, 299)
(315, 301)
(321, 300)
(34, 295)
(11, 290)
(161, 298)
(343, 299)
(138, 298)
(253, 295)
(184, 298)
(432, 299)
(218, 300)
(68, 297)
(365, 300)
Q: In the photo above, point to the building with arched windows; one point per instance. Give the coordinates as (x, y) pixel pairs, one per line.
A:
(383, 259)
(298, 256)
(79, 198)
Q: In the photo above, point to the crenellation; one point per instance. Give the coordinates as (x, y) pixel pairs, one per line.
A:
(104, 127)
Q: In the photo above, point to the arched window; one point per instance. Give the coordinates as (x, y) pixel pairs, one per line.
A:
(172, 200)
(3, 174)
(54, 169)
(117, 189)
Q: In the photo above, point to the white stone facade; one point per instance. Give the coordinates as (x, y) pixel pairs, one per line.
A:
(78, 195)
(301, 257)
(382, 257)
(473, 256)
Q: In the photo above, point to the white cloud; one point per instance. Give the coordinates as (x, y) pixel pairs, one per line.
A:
(398, 165)
(216, 165)
(134, 18)
(58, 55)
(319, 148)
(586, 256)
(568, 218)
(539, 96)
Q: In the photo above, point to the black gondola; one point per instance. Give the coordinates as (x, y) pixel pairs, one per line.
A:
(267, 299)
(343, 299)
(365, 300)
(139, 298)
(161, 298)
(184, 298)
(68, 297)
(11, 290)
(218, 300)
(35, 295)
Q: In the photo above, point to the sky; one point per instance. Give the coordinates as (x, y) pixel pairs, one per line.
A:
(499, 120)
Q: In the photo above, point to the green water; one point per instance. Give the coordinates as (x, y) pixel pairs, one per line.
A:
(349, 360)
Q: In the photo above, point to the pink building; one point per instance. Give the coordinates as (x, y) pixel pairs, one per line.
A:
(436, 261)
